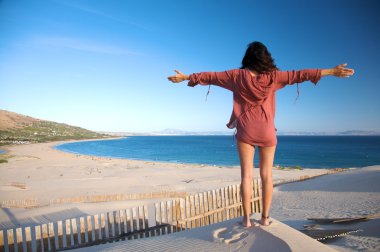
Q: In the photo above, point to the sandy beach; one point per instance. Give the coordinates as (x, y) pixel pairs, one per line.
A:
(46, 176)
(347, 194)
(41, 184)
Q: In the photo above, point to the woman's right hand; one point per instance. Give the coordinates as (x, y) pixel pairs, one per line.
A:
(179, 77)
(342, 71)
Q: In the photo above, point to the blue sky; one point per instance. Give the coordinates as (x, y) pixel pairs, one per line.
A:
(102, 65)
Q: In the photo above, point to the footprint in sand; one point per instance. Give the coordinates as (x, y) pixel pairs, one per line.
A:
(230, 236)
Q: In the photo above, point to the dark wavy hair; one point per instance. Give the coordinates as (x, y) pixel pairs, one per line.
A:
(258, 58)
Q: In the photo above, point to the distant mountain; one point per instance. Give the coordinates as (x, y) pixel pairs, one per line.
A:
(359, 133)
(340, 133)
(300, 133)
(19, 129)
(188, 133)
(177, 132)
(169, 132)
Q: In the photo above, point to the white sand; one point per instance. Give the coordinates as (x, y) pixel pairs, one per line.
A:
(39, 175)
(348, 194)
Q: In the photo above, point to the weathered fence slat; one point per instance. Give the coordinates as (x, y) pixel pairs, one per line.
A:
(82, 231)
(235, 200)
(157, 217)
(69, 230)
(239, 199)
(95, 227)
(59, 236)
(187, 211)
(116, 223)
(51, 235)
(227, 202)
(182, 213)
(231, 200)
(253, 203)
(123, 224)
(134, 221)
(2, 245)
(47, 236)
(128, 218)
(28, 238)
(205, 208)
(141, 220)
(109, 220)
(18, 239)
(103, 226)
(219, 204)
(210, 207)
(88, 226)
(213, 195)
(196, 209)
(256, 191)
(10, 241)
(176, 215)
(201, 209)
(38, 239)
(163, 214)
(223, 204)
(192, 211)
(74, 231)
(169, 212)
(146, 221)
(259, 191)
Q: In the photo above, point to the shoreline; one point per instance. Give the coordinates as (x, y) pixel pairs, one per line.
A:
(78, 178)
(207, 163)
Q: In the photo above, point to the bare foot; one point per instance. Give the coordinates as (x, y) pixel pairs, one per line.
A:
(265, 221)
(246, 222)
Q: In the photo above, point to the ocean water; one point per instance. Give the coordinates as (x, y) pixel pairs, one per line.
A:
(304, 151)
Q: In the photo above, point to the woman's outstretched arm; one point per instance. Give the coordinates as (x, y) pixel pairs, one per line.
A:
(226, 79)
(284, 78)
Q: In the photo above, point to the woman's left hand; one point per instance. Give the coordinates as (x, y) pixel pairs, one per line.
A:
(179, 77)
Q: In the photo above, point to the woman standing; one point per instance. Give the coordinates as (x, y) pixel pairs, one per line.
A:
(254, 86)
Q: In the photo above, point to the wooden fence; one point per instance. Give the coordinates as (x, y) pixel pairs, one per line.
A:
(169, 216)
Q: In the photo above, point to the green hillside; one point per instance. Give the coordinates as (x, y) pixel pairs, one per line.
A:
(19, 129)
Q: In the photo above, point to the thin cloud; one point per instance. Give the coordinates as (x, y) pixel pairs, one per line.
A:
(88, 9)
(94, 11)
(82, 45)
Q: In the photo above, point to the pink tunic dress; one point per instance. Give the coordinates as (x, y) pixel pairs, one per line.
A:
(254, 100)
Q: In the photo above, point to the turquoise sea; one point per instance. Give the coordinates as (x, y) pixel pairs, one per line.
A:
(304, 151)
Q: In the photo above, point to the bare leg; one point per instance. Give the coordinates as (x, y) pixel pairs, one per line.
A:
(246, 155)
(266, 155)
